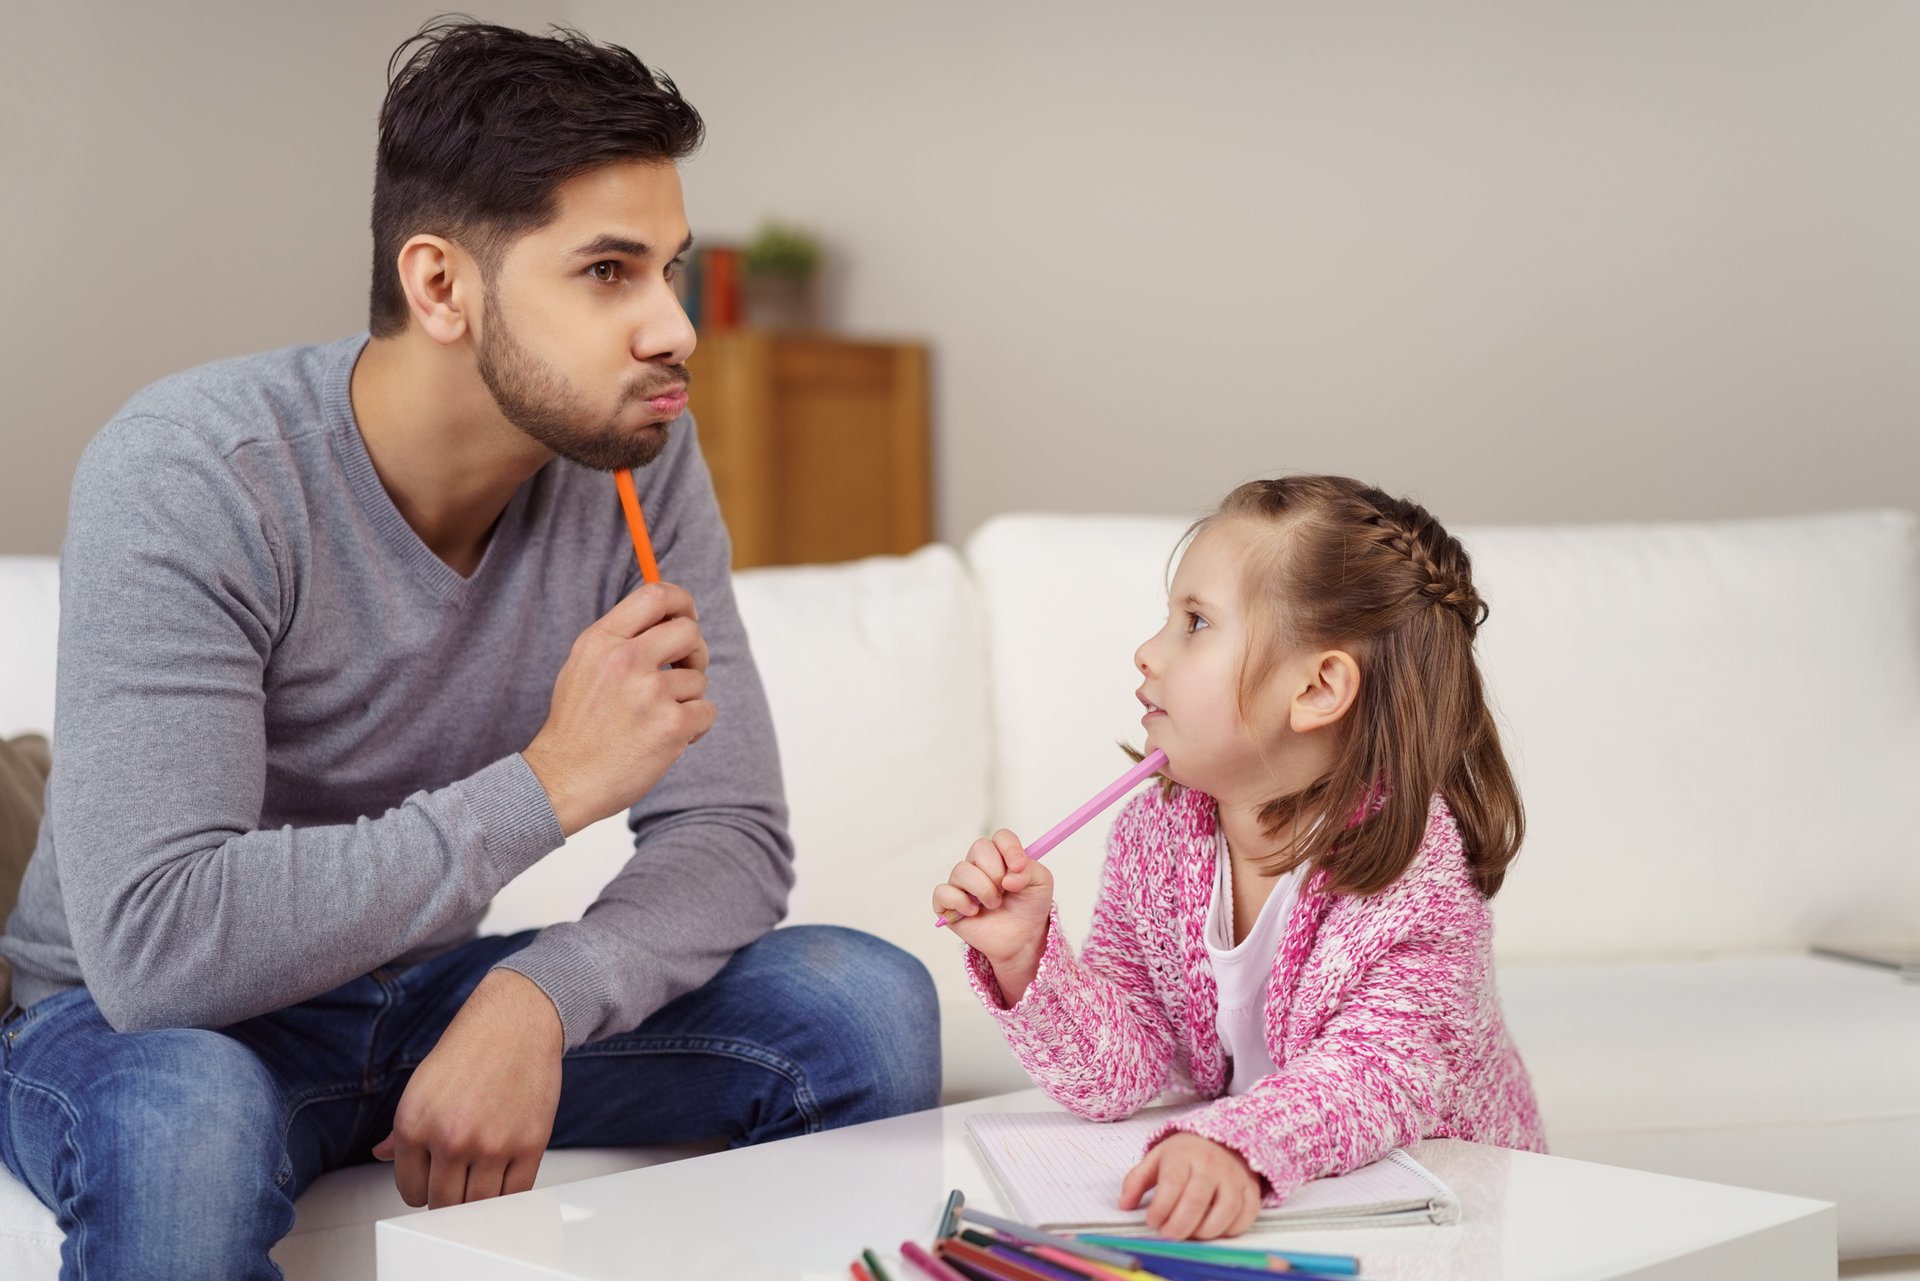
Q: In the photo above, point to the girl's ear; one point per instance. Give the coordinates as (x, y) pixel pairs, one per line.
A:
(1328, 693)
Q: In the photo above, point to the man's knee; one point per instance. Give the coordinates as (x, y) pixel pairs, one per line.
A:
(843, 968)
(878, 1003)
(181, 1154)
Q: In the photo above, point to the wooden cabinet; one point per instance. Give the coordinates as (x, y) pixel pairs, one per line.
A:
(818, 445)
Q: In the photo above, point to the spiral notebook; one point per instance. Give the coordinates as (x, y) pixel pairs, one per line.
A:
(1061, 1172)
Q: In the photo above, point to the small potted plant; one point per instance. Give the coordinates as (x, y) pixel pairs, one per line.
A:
(780, 267)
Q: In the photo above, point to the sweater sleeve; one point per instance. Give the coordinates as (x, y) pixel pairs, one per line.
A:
(1091, 1030)
(1379, 1074)
(183, 912)
(712, 862)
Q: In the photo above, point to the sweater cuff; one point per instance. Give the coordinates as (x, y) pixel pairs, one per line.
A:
(572, 980)
(1238, 1122)
(986, 985)
(517, 824)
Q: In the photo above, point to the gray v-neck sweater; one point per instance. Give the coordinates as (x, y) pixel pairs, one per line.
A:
(287, 735)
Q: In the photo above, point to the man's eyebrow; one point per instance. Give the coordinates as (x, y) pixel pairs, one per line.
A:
(611, 244)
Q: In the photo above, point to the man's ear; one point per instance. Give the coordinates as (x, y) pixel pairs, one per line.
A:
(1327, 693)
(441, 280)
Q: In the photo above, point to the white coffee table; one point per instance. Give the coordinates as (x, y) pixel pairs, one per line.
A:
(801, 1209)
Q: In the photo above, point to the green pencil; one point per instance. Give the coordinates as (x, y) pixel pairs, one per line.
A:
(873, 1266)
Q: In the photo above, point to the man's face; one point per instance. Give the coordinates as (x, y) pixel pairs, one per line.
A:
(582, 342)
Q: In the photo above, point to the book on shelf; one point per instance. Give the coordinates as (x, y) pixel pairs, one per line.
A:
(710, 289)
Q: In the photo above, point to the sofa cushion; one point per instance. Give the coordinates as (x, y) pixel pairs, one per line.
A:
(1716, 727)
(30, 606)
(1789, 1073)
(876, 671)
(1067, 600)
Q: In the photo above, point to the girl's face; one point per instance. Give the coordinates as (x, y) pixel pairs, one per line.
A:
(1192, 668)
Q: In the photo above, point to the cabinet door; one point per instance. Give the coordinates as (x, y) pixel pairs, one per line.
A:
(818, 446)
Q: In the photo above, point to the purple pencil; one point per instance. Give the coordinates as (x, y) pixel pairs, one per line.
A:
(1073, 822)
(920, 1259)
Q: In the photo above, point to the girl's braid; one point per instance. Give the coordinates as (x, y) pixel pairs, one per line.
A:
(1438, 560)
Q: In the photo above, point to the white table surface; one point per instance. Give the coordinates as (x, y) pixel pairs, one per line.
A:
(802, 1209)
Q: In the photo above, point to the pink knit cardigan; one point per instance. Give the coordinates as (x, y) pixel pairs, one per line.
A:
(1381, 1015)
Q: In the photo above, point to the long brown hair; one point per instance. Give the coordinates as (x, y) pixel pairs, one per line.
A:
(1342, 565)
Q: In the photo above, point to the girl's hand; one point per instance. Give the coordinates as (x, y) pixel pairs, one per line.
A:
(997, 900)
(1204, 1189)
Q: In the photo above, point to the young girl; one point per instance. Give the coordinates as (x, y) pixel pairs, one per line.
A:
(1296, 921)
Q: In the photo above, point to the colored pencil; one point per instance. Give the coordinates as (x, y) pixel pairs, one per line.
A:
(1087, 1267)
(1243, 1256)
(859, 1273)
(990, 1263)
(637, 526)
(873, 1266)
(955, 1199)
(1173, 1269)
(1218, 1256)
(1098, 1251)
(1076, 1264)
(968, 1271)
(1079, 818)
(1007, 1250)
(919, 1258)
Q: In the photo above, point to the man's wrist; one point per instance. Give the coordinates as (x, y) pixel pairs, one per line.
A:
(525, 1002)
(566, 811)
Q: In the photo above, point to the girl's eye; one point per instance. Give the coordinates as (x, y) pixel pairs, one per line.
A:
(674, 269)
(605, 272)
(1194, 622)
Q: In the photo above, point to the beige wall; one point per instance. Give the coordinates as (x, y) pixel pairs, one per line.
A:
(182, 182)
(1532, 261)
(1528, 261)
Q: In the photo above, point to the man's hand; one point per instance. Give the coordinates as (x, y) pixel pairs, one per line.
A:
(620, 715)
(475, 1119)
(1203, 1189)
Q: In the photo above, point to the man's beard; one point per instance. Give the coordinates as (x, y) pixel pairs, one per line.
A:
(534, 397)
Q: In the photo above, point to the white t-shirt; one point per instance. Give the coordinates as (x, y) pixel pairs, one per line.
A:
(1242, 971)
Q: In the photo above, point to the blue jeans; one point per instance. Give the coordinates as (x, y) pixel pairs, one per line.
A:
(179, 1153)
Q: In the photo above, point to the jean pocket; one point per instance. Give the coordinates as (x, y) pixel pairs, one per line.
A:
(19, 1019)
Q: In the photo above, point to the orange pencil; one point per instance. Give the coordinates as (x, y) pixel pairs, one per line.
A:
(637, 526)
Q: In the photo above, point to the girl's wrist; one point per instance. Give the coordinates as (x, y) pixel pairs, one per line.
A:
(1015, 971)
(1027, 955)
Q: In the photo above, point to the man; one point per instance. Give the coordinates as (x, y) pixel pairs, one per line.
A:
(350, 637)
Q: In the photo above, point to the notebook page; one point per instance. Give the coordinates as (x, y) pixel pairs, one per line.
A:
(1059, 1170)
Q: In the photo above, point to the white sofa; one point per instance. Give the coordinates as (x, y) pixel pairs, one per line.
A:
(1717, 733)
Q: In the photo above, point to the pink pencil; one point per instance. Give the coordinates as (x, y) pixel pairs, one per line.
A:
(1078, 819)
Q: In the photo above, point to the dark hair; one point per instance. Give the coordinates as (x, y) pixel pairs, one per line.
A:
(482, 123)
(1339, 563)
